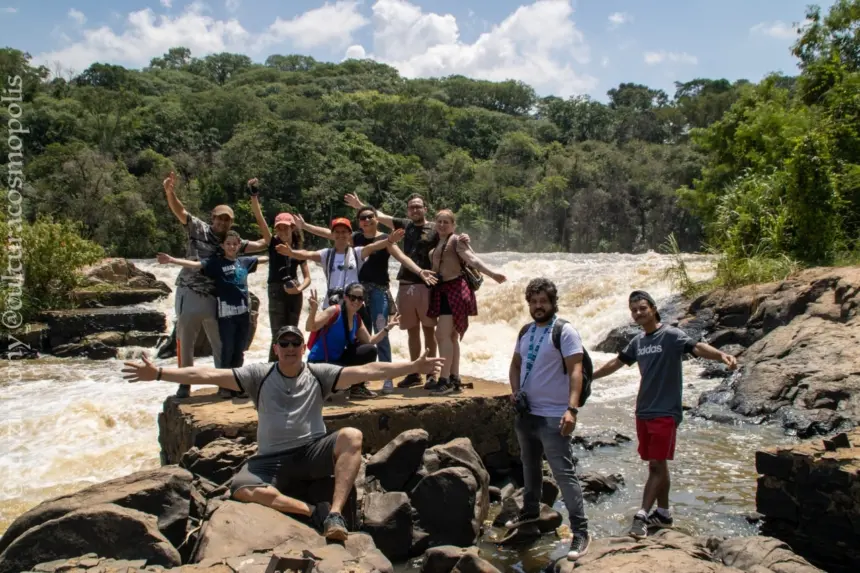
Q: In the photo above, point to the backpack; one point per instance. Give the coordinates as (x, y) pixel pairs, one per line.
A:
(317, 334)
(587, 365)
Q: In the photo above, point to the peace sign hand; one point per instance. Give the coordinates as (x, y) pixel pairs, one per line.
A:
(313, 301)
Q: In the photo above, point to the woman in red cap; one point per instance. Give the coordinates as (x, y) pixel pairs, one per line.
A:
(284, 289)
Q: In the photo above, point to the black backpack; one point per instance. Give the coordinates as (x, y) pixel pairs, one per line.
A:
(587, 365)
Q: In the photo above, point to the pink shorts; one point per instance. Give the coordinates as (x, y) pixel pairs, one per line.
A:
(656, 438)
(413, 301)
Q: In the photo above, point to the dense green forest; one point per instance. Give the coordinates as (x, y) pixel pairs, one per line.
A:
(760, 172)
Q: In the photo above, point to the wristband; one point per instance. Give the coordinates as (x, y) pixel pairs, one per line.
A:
(158, 376)
(573, 411)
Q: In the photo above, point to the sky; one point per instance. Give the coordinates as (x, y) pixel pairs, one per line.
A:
(560, 47)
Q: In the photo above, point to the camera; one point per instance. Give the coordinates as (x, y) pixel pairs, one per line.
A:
(521, 404)
(335, 296)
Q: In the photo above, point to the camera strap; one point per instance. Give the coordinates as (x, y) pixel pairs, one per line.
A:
(533, 350)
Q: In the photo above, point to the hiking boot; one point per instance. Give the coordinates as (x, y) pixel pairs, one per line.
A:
(388, 387)
(334, 527)
(443, 388)
(431, 383)
(319, 515)
(361, 392)
(639, 528)
(184, 391)
(410, 381)
(225, 393)
(522, 518)
(659, 520)
(578, 545)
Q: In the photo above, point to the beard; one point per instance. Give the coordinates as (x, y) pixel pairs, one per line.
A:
(540, 314)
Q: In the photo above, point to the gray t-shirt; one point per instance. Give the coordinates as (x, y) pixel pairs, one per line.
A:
(289, 409)
(659, 356)
(202, 244)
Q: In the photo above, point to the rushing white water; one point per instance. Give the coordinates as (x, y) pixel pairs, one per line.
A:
(69, 423)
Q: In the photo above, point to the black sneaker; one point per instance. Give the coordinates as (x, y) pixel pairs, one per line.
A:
(639, 528)
(523, 518)
(457, 384)
(443, 388)
(431, 383)
(319, 515)
(225, 393)
(334, 527)
(184, 391)
(410, 381)
(578, 545)
(361, 392)
(657, 519)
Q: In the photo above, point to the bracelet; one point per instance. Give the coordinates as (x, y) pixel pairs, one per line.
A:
(158, 376)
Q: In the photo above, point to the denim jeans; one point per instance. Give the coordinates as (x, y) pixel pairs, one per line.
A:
(234, 332)
(539, 435)
(375, 316)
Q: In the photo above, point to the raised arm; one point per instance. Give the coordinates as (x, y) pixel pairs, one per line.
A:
(428, 276)
(312, 229)
(609, 368)
(353, 201)
(468, 255)
(147, 371)
(173, 201)
(166, 259)
(299, 254)
(352, 375)
(316, 320)
(265, 232)
(365, 338)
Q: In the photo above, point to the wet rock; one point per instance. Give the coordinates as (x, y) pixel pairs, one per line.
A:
(762, 554)
(602, 440)
(163, 493)
(24, 342)
(118, 297)
(471, 563)
(495, 494)
(444, 558)
(107, 530)
(201, 345)
(808, 496)
(448, 507)
(618, 339)
(388, 520)
(399, 460)
(594, 484)
(67, 326)
(459, 453)
(143, 339)
(218, 461)
(513, 501)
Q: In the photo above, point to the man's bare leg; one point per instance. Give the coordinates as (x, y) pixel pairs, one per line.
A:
(347, 462)
(414, 335)
(429, 341)
(271, 497)
(658, 481)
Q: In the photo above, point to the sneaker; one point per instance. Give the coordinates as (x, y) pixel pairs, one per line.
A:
(457, 384)
(578, 545)
(184, 391)
(225, 393)
(431, 383)
(523, 518)
(388, 387)
(658, 519)
(319, 515)
(410, 381)
(361, 392)
(443, 388)
(334, 527)
(639, 528)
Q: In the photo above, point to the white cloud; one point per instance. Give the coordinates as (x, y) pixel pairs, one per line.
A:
(330, 25)
(233, 5)
(355, 52)
(778, 29)
(9, 10)
(78, 16)
(654, 58)
(535, 44)
(167, 3)
(617, 19)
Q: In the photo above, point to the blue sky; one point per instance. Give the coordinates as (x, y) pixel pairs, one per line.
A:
(560, 47)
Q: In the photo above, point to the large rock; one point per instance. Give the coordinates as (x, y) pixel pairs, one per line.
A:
(443, 558)
(107, 530)
(809, 495)
(241, 528)
(95, 297)
(218, 461)
(163, 493)
(594, 484)
(448, 507)
(67, 326)
(759, 553)
(397, 462)
(118, 272)
(24, 342)
(388, 520)
(471, 563)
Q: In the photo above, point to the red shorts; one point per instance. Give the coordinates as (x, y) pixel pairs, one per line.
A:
(656, 438)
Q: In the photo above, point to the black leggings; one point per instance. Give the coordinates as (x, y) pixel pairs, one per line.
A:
(358, 355)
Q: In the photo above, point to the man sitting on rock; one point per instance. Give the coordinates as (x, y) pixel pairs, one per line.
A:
(291, 435)
(658, 351)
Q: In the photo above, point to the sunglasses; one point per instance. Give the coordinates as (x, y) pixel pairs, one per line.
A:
(366, 218)
(355, 298)
(290, 343)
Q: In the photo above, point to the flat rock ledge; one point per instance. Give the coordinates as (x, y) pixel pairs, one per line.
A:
(483, 414)
(809, 495)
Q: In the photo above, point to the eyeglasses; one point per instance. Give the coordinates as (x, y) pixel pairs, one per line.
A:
(366, 218)
(290, 343)
(355, 297)
(414, 207)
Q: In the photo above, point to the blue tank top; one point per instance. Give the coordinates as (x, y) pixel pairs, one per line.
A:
(333, 339)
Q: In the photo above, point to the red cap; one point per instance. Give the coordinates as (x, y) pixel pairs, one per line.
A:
(340, 221)
(284, 219)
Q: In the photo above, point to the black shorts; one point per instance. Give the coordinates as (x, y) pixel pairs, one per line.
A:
(444, 305)
(309, 462)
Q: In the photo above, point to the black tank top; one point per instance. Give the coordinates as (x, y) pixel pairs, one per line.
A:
(375, 267)
(281, 267)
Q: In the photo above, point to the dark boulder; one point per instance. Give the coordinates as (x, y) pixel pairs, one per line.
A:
(399, 460)
(388, 520)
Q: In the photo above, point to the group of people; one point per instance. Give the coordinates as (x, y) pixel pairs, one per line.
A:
(349, 320)
(547, 377)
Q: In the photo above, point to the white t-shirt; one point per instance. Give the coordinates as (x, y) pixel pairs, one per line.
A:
(548, 387)
(344, 268)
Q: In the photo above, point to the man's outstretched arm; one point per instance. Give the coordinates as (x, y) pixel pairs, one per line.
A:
(147, 371)
(352, 375)
(707, 351)
(609, 368)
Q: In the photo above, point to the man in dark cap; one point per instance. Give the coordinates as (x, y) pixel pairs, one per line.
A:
(292, 441)
(658, 350)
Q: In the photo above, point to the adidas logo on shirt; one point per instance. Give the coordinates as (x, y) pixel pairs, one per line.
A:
(655, 349)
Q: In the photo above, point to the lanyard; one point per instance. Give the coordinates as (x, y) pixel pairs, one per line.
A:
(533, 350)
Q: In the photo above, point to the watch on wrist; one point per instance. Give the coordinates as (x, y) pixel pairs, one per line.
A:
(573, 410)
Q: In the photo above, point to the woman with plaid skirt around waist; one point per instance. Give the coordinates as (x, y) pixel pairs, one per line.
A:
(451, 300)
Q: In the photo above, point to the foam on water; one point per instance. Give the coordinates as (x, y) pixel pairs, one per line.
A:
(69, 423)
